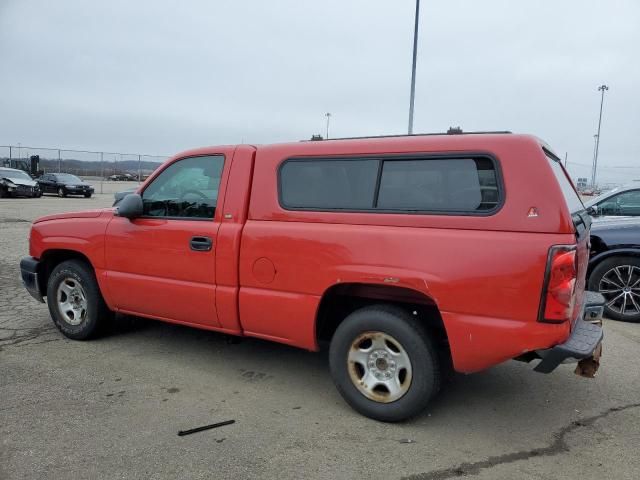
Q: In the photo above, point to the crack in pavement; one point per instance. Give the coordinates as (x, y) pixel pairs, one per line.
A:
(558, 446)
(21, 335)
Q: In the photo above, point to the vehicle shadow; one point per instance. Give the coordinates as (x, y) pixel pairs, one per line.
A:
(475, 398)
(206, 345)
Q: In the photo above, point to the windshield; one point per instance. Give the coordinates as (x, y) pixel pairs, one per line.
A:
(566, 185)
(67, 177)
(17, 174)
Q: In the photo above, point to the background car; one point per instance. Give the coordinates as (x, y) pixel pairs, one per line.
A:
(614, 266)
(64, 184)
(16, 183)
(619, 202)
(123, 177)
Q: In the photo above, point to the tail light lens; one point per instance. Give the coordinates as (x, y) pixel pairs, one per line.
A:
(558, 295)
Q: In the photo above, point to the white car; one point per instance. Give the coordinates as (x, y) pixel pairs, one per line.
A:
(16, 183)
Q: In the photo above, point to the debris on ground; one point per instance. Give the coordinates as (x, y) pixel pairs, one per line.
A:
(182, 433)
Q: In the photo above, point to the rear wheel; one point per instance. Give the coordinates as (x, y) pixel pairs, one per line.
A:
(62, 192)
(384, 364)
(75, 302)
(618, 280)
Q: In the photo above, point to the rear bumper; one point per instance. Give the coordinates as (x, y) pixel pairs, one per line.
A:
(29, 274)
(585, 339)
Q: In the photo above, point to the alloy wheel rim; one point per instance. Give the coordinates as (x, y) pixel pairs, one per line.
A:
(379, 367)
(72, 301)
(621, 288)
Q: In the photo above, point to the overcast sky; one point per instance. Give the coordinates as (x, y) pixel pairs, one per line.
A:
(161, 76)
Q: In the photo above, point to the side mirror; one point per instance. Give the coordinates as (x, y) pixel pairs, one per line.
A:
(593, 211)
(130, 206)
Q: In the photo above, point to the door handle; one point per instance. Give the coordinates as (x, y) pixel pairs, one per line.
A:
(201, 244)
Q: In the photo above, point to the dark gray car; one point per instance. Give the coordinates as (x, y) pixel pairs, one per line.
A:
(614, 266)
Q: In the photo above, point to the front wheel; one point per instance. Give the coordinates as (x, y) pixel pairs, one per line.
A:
(87, 195)
(384, 364)
(62, 192)
(618, 280)
(75, 302)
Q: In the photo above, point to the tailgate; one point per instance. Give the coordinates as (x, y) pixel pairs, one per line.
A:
(582, 222)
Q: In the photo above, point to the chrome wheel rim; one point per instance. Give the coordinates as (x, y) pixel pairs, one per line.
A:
(379, 367)
(620, 286)
(72, 301)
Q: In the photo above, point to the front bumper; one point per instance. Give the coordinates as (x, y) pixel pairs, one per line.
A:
(24, 191)
(584, 343)
(29, 273)
(75, 190)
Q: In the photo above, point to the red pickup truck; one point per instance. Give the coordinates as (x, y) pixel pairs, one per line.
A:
(407, 256)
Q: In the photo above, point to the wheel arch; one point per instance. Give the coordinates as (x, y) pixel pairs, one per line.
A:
(49, 259)
(340, 300)
(616, 252)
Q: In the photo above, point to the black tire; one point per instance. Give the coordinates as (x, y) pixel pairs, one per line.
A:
(62, 192)
(96, 315)
(87, 195)
(3, 193)
(410, 334)
(629, 268)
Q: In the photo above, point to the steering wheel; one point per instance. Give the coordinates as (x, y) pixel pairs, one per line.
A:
(195, 192)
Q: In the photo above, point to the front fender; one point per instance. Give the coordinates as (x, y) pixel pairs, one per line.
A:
(84, 235)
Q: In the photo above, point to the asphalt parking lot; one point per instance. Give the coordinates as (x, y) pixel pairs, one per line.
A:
(111, 408)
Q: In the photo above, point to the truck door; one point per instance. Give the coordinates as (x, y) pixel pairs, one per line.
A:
(162, 264)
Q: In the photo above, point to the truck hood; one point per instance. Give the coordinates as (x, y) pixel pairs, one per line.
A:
(82, 214)
(21, 181)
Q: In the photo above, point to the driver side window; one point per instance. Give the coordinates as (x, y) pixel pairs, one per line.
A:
(187, 188)
(621, 204)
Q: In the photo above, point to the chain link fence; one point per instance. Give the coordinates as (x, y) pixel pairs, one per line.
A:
(89, 165)
(83, 163)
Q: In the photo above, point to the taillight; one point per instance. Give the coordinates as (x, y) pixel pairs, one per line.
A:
(558, 295)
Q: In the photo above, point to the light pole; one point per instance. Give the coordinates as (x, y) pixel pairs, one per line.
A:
(328, 115)
(602, 88)
(593, 157)
(413, 68)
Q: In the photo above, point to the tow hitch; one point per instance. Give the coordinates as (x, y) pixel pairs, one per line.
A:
(584, 344)
(587, 367)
